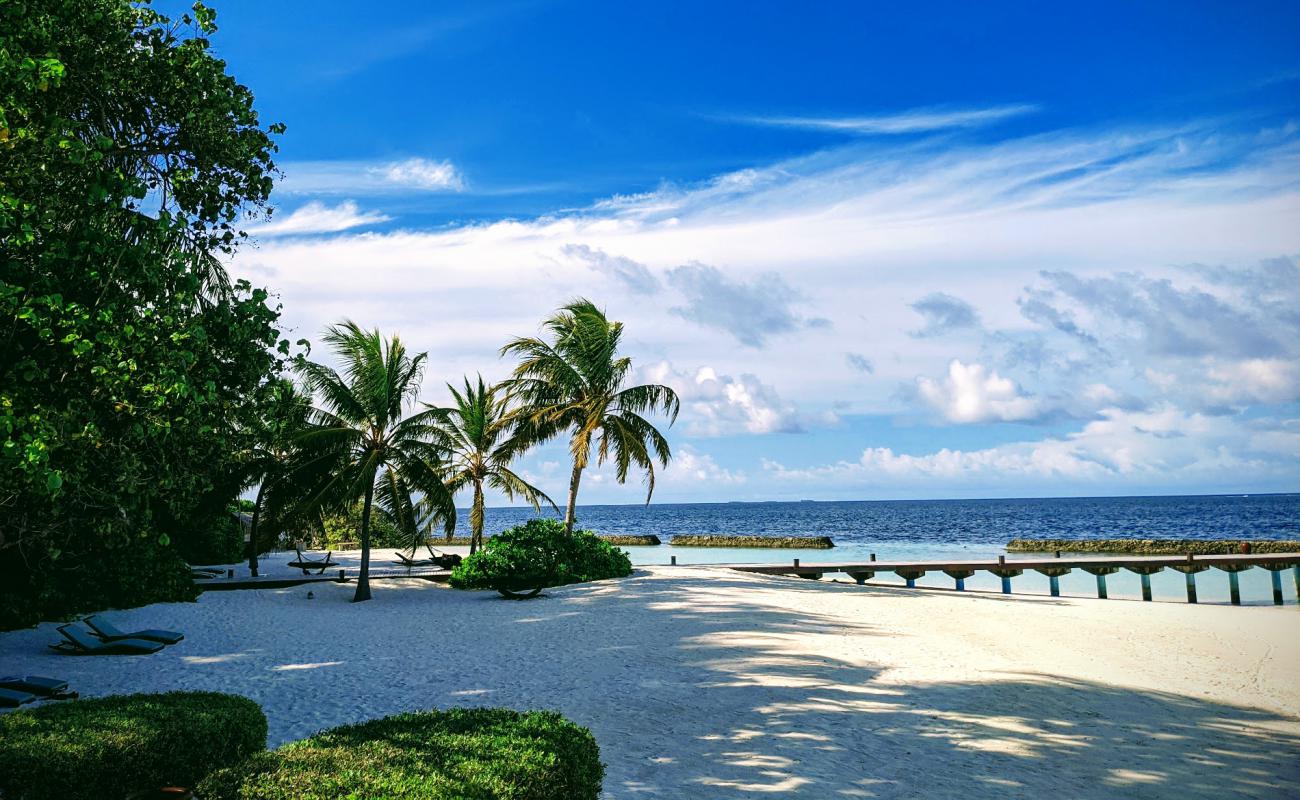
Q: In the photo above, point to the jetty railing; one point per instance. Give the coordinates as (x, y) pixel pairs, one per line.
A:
(1099, 566)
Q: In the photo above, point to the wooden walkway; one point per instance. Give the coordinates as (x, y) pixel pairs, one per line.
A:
(333, 575)
(1053, 568)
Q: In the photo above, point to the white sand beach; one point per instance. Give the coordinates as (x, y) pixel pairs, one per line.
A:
(700, 682)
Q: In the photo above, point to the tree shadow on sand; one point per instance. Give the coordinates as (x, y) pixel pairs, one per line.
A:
(793, 723)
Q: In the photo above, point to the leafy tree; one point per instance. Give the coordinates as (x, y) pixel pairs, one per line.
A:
(359, 445)
(129, 361)
(481, 439)
(573, 384)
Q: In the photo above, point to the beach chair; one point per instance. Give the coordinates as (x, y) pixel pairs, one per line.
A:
(306, 564)
(10, 698)
(81, 643)
(39, 687)
(408, 562)
(109, 632)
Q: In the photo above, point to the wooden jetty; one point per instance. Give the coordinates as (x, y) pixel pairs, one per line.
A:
(1054, 568)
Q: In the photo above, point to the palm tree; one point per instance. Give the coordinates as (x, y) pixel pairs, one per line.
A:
(280, 420)
(359, 445)
(574, 383)
(481, 439)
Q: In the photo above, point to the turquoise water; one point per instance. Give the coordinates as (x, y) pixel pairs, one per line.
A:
(925, 530)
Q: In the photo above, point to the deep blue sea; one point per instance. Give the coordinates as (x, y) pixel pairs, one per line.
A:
(955, 529)
(952, 522)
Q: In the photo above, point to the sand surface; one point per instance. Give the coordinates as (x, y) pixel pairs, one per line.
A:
(702, 683)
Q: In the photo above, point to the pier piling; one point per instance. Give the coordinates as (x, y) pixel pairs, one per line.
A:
(1101, 571)
(960, 576)
(1276, 575)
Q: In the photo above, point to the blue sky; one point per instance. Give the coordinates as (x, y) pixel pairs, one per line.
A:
(904, 250)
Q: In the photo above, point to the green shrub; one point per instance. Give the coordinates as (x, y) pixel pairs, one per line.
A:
(461, 753)
(221, 543)
(345, 527)
(538, 554)
(111, 747)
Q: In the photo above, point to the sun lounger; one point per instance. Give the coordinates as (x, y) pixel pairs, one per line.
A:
(109, 632)
(34, 684)
(12, 699)
(306, 564)
(40, 687)
(81, 643)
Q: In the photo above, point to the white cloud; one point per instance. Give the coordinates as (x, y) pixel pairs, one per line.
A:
(1255, 380)
(1165, 447)
(316, 217)
(421, 173)
(714, 405)
(973, 393)
(369, 178)
(917, 120)
(697, 470)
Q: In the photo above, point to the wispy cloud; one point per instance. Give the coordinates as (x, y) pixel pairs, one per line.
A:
(316, 217)
(917, 120)
(944, 314)
(370, 178)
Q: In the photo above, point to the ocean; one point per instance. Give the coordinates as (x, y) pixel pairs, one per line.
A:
(954, 529)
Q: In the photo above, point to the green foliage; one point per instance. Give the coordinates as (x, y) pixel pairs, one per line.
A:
(538, 554)
(481, 437)
(121, 577)
(460, 754)
(573, 384)
(111, 747)
(344, 527)
(130, 364)
(223, 543)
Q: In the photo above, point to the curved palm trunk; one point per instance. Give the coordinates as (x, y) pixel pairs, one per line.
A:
(571, 514)
(252, 531)
(363, 576)
(476, 520)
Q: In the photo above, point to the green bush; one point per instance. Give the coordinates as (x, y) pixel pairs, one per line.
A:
(111, 747)
(461, 753)
(221, 543)
(538, 554)
(345, 528)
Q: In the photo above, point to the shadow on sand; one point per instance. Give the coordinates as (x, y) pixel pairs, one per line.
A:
(800, 724)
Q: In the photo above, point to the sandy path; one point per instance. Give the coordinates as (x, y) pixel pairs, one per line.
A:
(706, 683)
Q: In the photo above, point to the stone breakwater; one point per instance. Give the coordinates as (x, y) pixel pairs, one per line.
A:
(782, 542)
(648, 540)
(1154, 547)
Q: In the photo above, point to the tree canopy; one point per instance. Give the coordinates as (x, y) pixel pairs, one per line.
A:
(130, 363)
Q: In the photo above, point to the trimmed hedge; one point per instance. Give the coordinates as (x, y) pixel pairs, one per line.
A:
(111, 747)
(538, 554)
(791, 542)
(477, 753)
(1153, 547)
